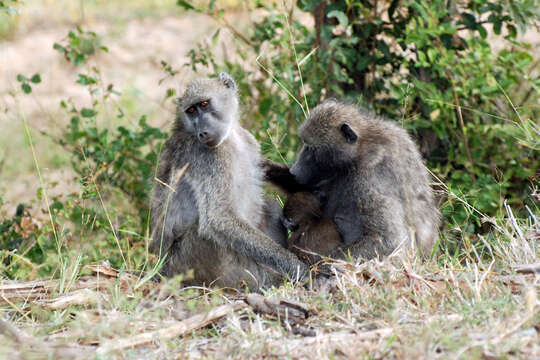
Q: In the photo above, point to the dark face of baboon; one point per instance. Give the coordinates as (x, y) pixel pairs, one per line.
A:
(300, 209)
(208, 109)
(329, 146)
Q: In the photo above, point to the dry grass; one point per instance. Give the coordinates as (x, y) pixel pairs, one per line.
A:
(399, 308)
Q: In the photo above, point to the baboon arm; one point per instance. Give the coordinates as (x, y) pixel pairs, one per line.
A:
(252, 243)
(176, 213)
(279, 175)
(349, 228)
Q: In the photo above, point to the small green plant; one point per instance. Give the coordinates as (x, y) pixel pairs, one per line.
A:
(79, 45)
(25, 82)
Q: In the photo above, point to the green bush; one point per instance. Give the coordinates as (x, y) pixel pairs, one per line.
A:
(431, 65)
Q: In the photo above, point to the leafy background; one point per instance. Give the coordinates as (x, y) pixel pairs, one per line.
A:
(456, 74)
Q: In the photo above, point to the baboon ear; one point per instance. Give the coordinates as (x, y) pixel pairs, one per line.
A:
(348, 133)
(227, 80)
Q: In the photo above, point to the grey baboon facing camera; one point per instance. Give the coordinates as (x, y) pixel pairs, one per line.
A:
(377, 187)
(214, 217)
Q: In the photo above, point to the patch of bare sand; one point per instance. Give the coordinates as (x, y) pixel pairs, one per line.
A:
(132, 64)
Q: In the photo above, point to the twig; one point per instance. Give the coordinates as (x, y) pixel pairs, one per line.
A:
(54, 350)
(179, 329)
(527, 268)
(236, 33)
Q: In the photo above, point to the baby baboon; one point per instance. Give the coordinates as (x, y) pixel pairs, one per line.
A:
(209, 218)
(373, 176)
(311, 232)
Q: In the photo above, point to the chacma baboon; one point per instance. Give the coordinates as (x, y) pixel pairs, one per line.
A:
(377, 187)
(272, 222)
(208, 206)
(312, 233)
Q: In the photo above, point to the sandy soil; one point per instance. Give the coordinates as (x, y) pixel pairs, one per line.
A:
(132, 64)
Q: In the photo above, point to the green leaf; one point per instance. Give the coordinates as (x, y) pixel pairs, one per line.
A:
(306, 58)
(86, 80)
(392, 8)
(215, 37)
(482, 31)
(186, 5)
(421, 56)
(340, 16)
(497, 24)
(512, 31)
(88, 113)
(469, 20)
(36, 79)
(26, 88)
(21, 78)
(59, 48)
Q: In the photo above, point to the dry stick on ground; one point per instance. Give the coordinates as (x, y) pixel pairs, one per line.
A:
(179, 329)
(527, 268)
(12, 291)
(55, 350)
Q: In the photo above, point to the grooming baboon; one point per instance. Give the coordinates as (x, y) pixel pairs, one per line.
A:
(209, 218)
(376, 184)
(312, 233)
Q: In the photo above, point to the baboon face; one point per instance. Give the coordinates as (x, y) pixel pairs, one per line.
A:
(329, 145)
(209, 108)
(301, 208)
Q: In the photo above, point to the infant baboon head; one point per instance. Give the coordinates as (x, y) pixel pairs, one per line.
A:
(301, 209)
(208, 109)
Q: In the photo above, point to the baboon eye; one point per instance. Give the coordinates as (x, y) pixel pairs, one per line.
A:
(191, 109)
(204, 103)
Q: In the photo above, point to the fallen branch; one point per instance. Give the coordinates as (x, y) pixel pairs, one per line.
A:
(527, 268)
(181, 328)
(34, 345)
(12, 291)
(78, 297)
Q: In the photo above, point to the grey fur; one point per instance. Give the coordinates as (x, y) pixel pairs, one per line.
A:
(214, 217)
(374, 178)
(272, 224)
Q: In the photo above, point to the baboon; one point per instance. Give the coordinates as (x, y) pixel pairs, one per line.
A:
(272, 222)
(377, 186)
(208, 206)
(312, 233)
